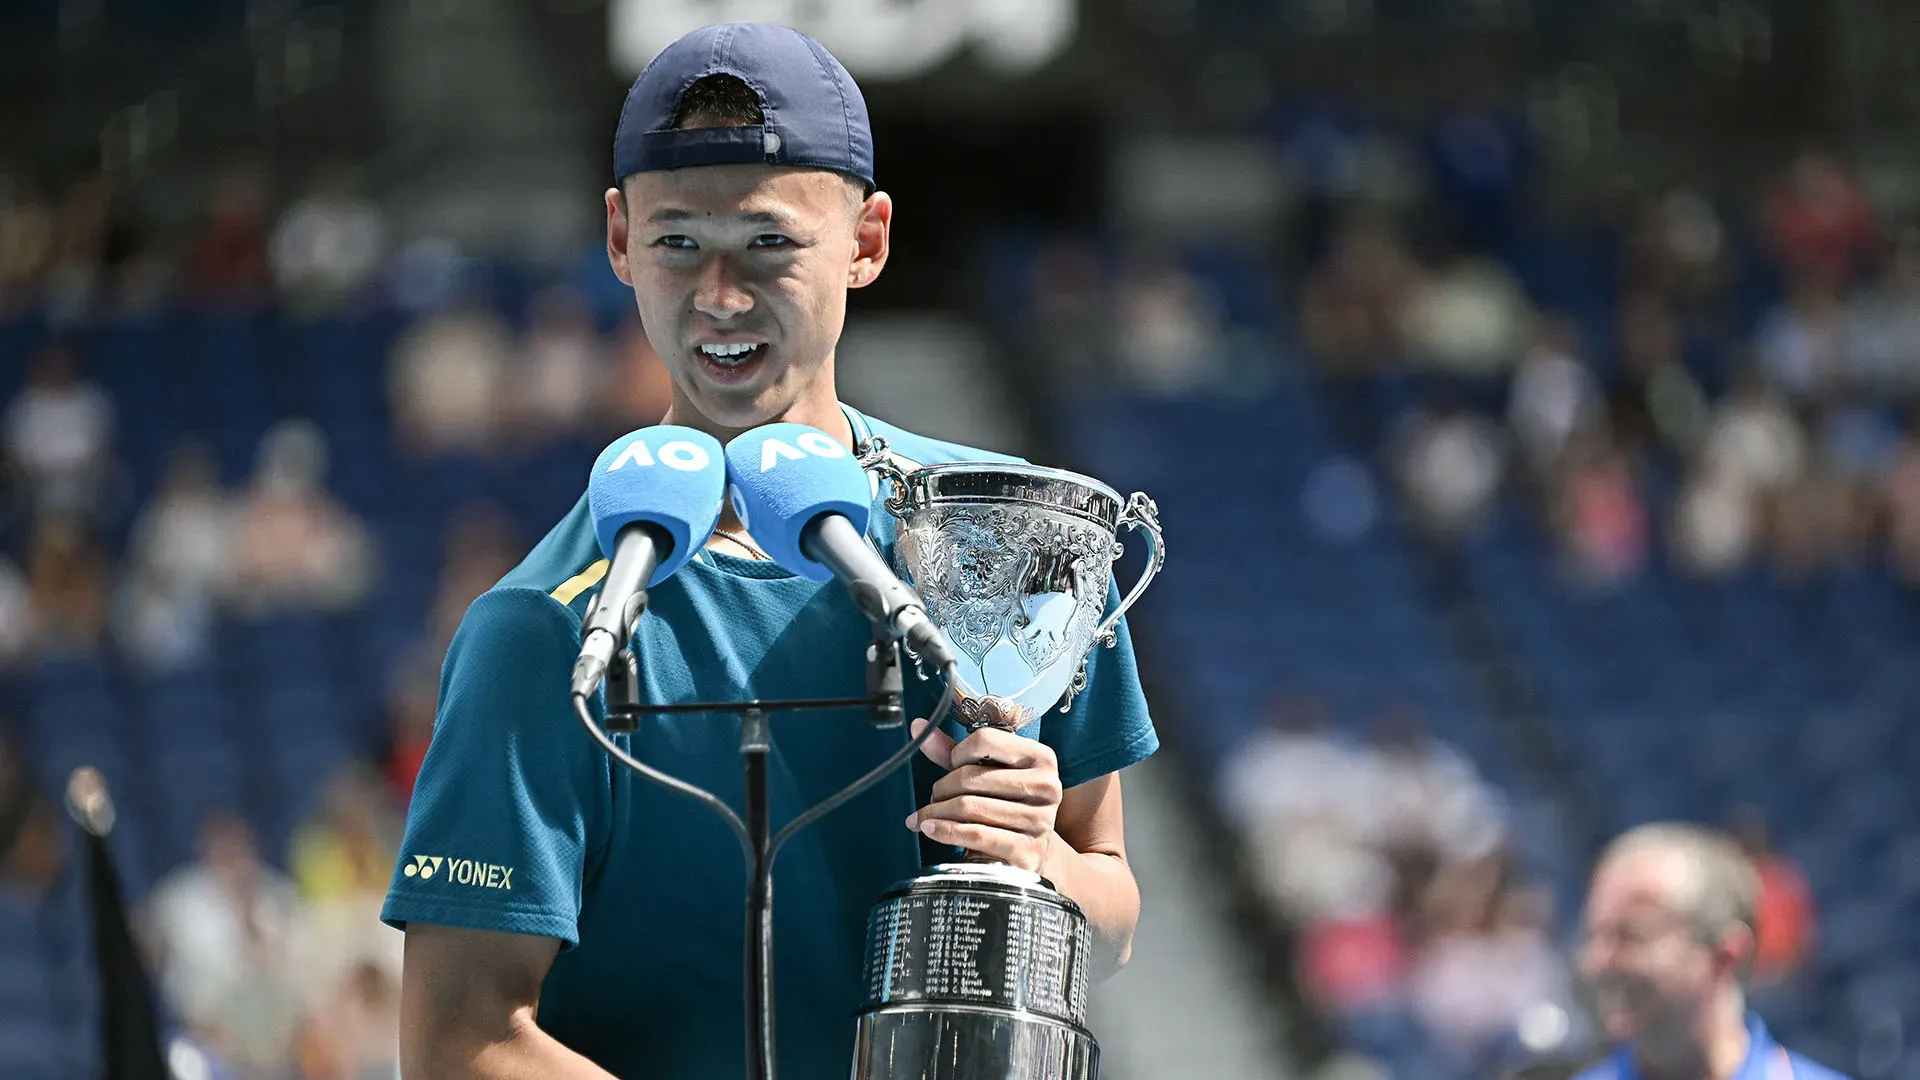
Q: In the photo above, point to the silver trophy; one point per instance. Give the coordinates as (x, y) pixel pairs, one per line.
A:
(978, 970)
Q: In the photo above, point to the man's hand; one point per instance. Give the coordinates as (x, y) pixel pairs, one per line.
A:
(1000, 797)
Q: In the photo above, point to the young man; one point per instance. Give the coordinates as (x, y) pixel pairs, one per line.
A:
(604, 930)
(1670, 916)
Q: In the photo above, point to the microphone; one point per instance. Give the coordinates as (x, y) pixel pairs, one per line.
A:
(805, 500)
(655, 497)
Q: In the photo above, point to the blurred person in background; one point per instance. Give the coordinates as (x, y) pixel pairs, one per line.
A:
(229, 269)
(1801, 343)
(327, 247)
(1600, 514)
(354, 1031)
(448, 379)
(1171, 336)
(227, 932)
(1451, 461)
(59, 432)
(1468, 317)
(1817, 221)
(295, 546)
(1900, 496)
(32, 850)
(1353, 304)
(1553, 395)
(1882, 346)
(82, 224)
(1670, 942)
(178, 562)
(1484, 966)
(563, 367)
(26, 243)
(67, 583)
(340, 863)
(1784, 924)
(639, 388)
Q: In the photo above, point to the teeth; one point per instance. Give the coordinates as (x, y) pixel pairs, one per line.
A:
(729, 354)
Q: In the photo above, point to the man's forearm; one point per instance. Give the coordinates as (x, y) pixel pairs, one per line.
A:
(527, 1053)
(1103, 885)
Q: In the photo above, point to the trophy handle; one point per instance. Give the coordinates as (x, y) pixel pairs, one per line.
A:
(1142, 514)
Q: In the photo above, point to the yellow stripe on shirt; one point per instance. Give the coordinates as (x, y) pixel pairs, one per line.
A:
(580, 582)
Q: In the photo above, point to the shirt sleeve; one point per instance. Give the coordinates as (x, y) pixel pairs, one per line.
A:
(512, 799)
(1108, 727)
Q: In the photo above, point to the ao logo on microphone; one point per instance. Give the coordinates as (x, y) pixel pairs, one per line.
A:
(816, 443)
(679, 454)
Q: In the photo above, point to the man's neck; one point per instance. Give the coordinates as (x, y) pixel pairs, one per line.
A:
(826, 415)
(1715, 1053)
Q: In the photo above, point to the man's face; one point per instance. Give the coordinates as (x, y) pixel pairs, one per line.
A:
(741, 275)
(1649, 969)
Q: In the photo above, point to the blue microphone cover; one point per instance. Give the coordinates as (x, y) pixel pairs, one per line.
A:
(782, 476)
(674, 477)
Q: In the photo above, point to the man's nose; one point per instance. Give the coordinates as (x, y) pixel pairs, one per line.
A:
(719, 294)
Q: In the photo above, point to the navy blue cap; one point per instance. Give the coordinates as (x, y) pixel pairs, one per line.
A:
(815, 116)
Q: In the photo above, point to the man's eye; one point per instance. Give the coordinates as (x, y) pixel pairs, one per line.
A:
(769, 240)
(681, 242)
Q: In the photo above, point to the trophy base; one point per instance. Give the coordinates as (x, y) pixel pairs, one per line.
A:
(957, 1043)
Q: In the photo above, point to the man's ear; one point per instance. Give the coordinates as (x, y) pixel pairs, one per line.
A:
(617, 235)
(872, 240)
(1738, 948)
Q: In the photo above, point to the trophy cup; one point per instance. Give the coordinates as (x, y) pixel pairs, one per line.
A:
(978, 970)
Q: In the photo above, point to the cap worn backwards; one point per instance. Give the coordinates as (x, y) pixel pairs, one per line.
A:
(815, 115)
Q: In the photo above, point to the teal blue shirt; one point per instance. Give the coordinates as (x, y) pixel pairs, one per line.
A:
(519, 823)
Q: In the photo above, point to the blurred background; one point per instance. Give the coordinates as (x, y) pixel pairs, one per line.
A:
(1526, 386)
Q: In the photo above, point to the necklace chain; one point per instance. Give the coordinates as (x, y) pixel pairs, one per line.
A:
(742, 542)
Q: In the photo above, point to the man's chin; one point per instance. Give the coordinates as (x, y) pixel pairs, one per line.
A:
(1620, 1024)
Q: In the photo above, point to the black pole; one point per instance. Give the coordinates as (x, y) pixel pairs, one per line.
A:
(129, 1020)
(756, 739)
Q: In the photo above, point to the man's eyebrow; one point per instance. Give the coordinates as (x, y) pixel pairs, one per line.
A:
(771, 218)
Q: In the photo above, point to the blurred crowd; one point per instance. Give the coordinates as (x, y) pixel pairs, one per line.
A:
(1393, 859)
(274, 962)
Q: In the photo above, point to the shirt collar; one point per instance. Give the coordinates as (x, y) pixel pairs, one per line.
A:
(1764, 1059)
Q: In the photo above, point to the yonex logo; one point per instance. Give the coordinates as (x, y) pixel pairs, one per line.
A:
(461, 871)
(423, 866)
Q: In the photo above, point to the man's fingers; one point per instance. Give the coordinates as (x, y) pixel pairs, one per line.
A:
(992, 746)
(938, 747)
(996, 844)
(1034, 787)
(985, 810)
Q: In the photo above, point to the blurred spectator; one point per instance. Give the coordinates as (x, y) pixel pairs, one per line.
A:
(448, 380)
(1801, 343)
(563, 366)
(1900, 491)
(1450, 462)
(1484, 970)
(32, 851)
(59, 432)
(1602, 520)
(1172, 334)
(1353, 305)
(227, 932)
(1856, 436)
(410, 715)
(1553, 395)
(1882, 346)
(341, 863)
(1661, 395)
(26, 243)
(1426, 801)
(1816, 218)
(1292, 791)
(294, 545)
(641, 389)
(1784, 918)
(229, 266)
(1072, 313)
(1677, 249)
(178, 562)
(81, 227)
(1478, 153)
(1469, 317)
(354, 1034)
(328, 245)
(1756, 439)
(1817, 524)
(66, 579)
(1715, 520)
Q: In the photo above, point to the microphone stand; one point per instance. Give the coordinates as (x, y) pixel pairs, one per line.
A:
(883, 704)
